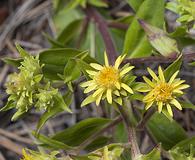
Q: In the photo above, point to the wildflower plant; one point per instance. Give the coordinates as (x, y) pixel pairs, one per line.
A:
(134, 102)
(28, 88)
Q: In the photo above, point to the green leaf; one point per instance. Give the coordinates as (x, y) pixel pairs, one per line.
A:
(153, 155)
(160, 40)
(62, 19)
(58, 56)
(185, 41)
(59, 106)
(97, 143)
(68, 96)
(21, 51)
(135, 4)
(69, 32)
(54, 61)
(185, 104)
(12, 61)
(83, 66)
(172, 6)
(120, 134)
(10, 104)
(172, 68)
(136, 43)
(84, 129)
(71, 71)
(180, 31)
(48, 142)
(18, 114)
(52, 41)
(164, 131)
(93, 42)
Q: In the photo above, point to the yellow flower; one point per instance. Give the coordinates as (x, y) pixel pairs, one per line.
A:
(107, 81)
(26, 156)
(33, 155)
(163, 93)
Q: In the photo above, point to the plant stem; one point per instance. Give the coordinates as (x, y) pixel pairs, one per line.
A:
(94, 136)
(135, 152)
(145, 119)
(104, 31)
(159, 59)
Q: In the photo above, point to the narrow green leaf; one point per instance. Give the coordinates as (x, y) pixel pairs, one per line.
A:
(136, 43)
(12, 61)
(52, 41)
(153, 155)
(97, 143)
(46, 141)
(18, 114)
(185, 104)
(8, 106)
(84, 129)
(71, 71)
(172, 68)
(21, 51)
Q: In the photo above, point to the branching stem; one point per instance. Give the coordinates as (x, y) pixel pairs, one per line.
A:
(135, 152)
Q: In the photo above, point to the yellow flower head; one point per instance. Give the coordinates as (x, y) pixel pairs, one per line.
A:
(163, 93)
(32, 155)
(107, 82)
(27, 156)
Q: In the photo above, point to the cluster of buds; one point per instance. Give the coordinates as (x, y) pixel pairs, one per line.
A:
(27, 88)
(185, 8)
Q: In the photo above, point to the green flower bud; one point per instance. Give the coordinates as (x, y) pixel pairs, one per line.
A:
(20, 87)
(45, 98)
(186, 10)
(31, 65)
(27, 88)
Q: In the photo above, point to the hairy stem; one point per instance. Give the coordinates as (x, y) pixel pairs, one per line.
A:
(135, 152)
(103, 28)
(145, 119)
